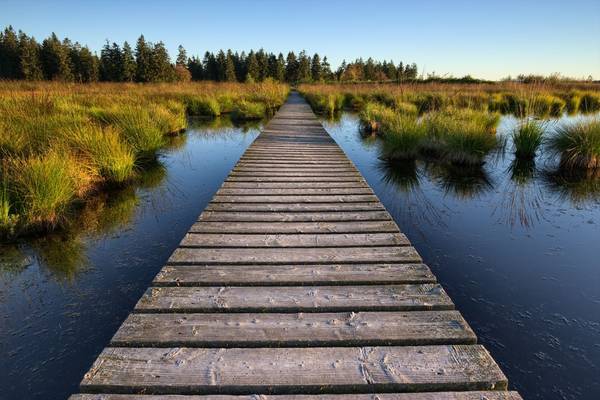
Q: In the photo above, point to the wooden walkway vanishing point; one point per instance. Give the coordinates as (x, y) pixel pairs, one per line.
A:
(295, 284)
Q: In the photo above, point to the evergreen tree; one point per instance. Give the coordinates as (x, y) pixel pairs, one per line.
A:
(230, 68)
(221, 66)
(316, 68)
(279, 74)
(55, 59)
(303, 67)
(369, 70)
(195, 67)
(181, 56)
(263, 64)
(160, 64)
(326, 69)
(110, 62)
(84, 63)
(9, 54)
(252, 68)
(210, 66)
(291, 68)
(143, 60)
(29, 58)
(128, 66)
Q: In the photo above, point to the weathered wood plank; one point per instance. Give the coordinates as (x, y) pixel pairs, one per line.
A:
(473, 395)
(351, 198)
(294, 168)
(249, 178)
(233, 216)
(229, 191)
(293, 185)
(295, 298)
(289, 370)
(303, 174)
(293, 240)
(293, 275)
(296, 227)
(296, 208)
(292, 330)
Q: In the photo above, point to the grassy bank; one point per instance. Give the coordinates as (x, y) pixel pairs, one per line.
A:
(542, 100)
(61, 143)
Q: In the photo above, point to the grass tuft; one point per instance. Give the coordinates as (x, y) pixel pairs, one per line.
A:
(577, 145)
(527, 138)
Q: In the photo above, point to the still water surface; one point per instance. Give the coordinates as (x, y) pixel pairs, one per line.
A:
(517, 249)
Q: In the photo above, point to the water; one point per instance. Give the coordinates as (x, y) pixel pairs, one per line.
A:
(516, 249)
(64, 296)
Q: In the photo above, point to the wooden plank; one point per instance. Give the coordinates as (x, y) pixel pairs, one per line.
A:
(294, 185)
(293, 191)
(234, 216)
(249, 178)
(351, 198)
(295, 255)
(305, 174)
(295, 227)
(473, 395)
(293, 240)
(295, 168)
(293, 275)
(295, 208)
(264, 161)
(290, 370)
(293, 330)
(295, 298)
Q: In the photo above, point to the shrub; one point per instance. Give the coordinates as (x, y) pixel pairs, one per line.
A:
(577, 145)
(527, 138)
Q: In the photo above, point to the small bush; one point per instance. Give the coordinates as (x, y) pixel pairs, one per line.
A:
(527, 138)
(577, 145)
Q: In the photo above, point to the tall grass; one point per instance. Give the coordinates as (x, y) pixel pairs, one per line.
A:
(577, 145)
(527, 138)
(62, 142)
(402, 136)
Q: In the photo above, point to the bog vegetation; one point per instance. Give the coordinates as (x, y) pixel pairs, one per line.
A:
(457, 123)
(60, 142)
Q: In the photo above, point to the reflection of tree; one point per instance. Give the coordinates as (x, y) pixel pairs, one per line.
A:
(411, 204)
(462, 181)
(579, 187)
(521, 197)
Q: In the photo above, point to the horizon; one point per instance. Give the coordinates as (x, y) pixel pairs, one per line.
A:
(446, 47)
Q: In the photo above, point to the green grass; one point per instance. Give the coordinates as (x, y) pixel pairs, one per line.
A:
(203, 107)
(577, 145)
(527, 138)
(372, 115)
(247, 110)
(590, 102)
(402, 137)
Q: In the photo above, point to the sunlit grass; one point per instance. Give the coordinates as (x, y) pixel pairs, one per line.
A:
(577, 144)
(527, 138)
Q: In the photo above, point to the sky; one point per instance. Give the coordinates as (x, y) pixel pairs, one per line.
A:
(486, 38)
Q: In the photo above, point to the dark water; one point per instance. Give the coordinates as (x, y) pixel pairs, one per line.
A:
(517, 249)
(63, 297)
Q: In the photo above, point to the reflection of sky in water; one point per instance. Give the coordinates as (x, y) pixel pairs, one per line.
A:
(63, 296)
(517, 250)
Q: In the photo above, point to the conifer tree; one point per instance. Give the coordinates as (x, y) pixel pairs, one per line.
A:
(160, 64)
(221, 66)
(181, 56)
(316, 68)
(143, 56)
(291, 68)
(326, 69)
(230, 68)
(128, 66)
(29, 58)
(280, 69)
(303, 67)
(252, 67)
(55, 59)
(9, 54)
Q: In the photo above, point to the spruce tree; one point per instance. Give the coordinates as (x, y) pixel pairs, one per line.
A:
(230, 68)
(316, 68)
(181, 56)
(195, 67)
(303, 67)
(29, 58)
(160, 64)
(9, 54)
(326, 69)
(143, 56)
(128, 66)
(221, 66)
(252, 68)
(210, 66)
(291, 68)
(55, 59)
(280, 69)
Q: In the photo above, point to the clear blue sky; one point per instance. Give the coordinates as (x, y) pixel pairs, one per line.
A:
(488, 39)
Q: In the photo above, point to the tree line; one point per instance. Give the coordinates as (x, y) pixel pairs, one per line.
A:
(22, 57)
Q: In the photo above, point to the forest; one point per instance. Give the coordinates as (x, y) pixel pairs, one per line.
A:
(23, 58)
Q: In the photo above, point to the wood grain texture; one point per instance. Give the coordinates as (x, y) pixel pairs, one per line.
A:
(295, 227)
(295, 298)
(257, 216)
(289, 370)
(293, 275)
(295, 207)
(306, 329)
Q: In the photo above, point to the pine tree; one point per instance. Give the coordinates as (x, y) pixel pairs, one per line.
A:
(55, 59)
(280, 70)
(29, 58)
(230, 68)
(252, 67)
(143, 56)
(9, 54)
(291, 68)
(210, 66)
(303, 67)
(84, 64)
(160, 64)
(316, 68)
(326, 69)
(263, 64)
(221, 65)
(128, 66)
(195, 67)
(181, 56)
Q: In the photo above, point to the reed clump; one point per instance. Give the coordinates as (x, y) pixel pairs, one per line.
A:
(578, 145)
(527, 138)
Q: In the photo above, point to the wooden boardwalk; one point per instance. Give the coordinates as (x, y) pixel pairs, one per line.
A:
(295, 283)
